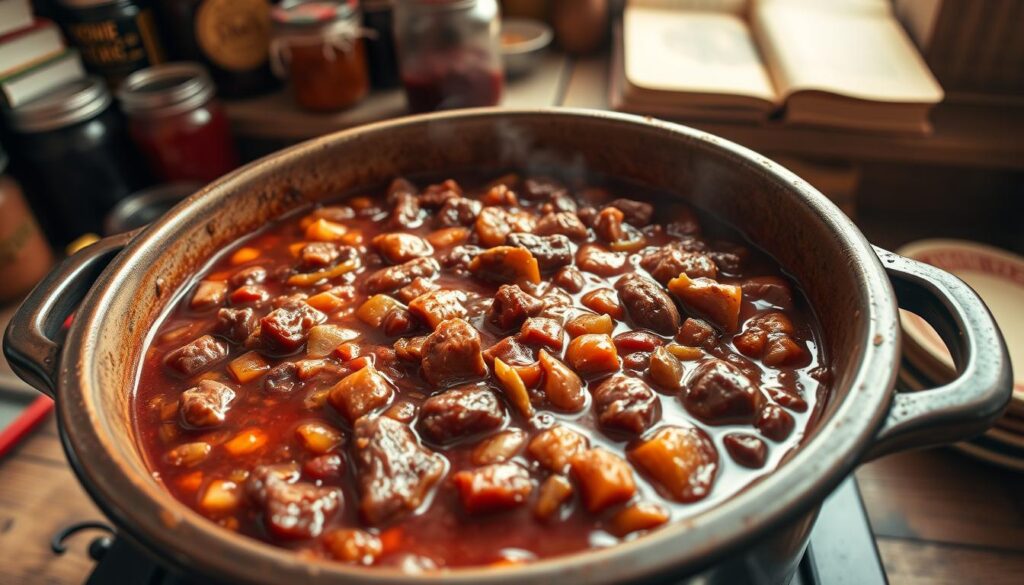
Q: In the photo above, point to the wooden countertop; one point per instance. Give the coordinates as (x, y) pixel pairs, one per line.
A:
(938, 517)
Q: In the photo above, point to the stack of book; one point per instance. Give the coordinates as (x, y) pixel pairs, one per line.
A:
(841, 63)
(33, 57)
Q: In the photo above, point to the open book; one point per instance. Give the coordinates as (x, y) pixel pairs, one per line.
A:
(845, 63)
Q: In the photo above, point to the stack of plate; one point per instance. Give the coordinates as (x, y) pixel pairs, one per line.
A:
(998, 276)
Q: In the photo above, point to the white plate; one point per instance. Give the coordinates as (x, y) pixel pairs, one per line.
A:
(998, 277)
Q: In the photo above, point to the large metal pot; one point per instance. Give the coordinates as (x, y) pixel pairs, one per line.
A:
(125, 282)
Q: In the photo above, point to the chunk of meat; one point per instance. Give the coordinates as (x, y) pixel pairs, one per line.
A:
(419, 286)
(511, 307)
(648, 306)
(506, 264)
(198, 355)
(452, 354)
(608, 225)
(317, 255)
(458, 211)
(398, 187)
(554, 492)
(769, 336)
(493, 487)
(360, 393)
(594, 258)
(439, 305)
(209, 294)
(285, 329)
(405, 212)
(551, 252)
(668, 262)
(248, 276)
(436, 195)
(500, 195)
(459, 257)
(397, 248)
(235, 325)
(395, 277)
(542, 331)
(605, 479)
(205, 405)
(562, 223)
(697, 333)
(592, 353)
(718, 302)
(603, 300)
(561, 387)
(625, 404)
(281, 379)
(394, 472)
(494, 224)
(294, 511)
(769, 289)
(555, 447)
(637, 341)
(570, 279)
(460, 412)
(774, 422)
(634, 212)
(717, 392)
(542, 188)
(510, 351)
(410, 349)
(682, 461)
(747, 450)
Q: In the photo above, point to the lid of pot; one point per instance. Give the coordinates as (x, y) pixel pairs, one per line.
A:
(68, 104)
(998, 278)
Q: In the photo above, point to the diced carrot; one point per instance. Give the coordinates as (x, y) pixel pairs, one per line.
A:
(248, 367)
(391, 539)
(308, 368)
(221, 497)
(296, 248)
(353, 546)
(325, 301)
(636, 517)
(605, 479)
(191, 481)
(323, 230)
(188, 454)
(246, 442)
(353, 238)
(591, 353)
(603, 300)
(318, 438)
(529, 373)
(681, 460)
(446, 237)
(555, 490)
(684, 352)
(326, 274)
(590, 323)
(554, 447)
(243, 255)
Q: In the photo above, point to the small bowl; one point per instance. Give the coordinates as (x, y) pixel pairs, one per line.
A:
(523, 40)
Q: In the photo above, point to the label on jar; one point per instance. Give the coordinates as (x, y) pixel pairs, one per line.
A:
(234, 34)
(115, 47)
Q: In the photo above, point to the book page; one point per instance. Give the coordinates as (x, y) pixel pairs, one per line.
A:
(859, 54)
(700, 52)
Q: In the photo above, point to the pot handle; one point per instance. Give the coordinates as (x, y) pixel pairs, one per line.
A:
(33, 340)
(968, 405)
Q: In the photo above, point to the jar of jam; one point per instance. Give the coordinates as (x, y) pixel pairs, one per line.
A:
(177, 122)
(230, 37)
(449, 52)
(317, 46)
(74, 157)
(114, 37)
(25, 257)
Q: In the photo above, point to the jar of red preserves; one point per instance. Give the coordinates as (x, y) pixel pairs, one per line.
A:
(449, 52)
(177, 122)
(317, 46)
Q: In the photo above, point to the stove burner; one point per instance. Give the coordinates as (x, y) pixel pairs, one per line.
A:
(841, 550)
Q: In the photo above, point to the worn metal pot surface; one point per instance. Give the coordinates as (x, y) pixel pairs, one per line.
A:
(853, 288)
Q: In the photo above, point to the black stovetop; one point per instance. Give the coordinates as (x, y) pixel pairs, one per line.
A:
(841, 551)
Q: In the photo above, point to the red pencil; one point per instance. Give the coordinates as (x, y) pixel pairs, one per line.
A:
(23, 425)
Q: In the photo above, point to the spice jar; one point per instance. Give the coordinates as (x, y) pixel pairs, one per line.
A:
(378, 18)
(449, 52)
(114, 37)
(230, 37)
(317, 46)
(25, 257)
(177, 122)
(75, 158)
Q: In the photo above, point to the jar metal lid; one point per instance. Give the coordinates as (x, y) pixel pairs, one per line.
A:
(312, 13)
(90, 3)
(166, 89)
(74, 102)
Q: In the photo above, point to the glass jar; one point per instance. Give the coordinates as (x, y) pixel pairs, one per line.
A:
(317, 46)
(115, 37)
(230, 37)
(449, 51)
(378, 17)
(75, 158)
(25, 257)
(177, 123)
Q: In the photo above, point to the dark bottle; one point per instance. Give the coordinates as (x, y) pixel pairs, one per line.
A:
(74, 157)
(230, 37)
(114, 37)
(378, 16)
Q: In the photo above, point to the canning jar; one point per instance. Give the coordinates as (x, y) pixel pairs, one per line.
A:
(230, 37)
(177, 122)
(318, 47)
(449, 53)
(75, 158)
(114, 37)
(25, 257)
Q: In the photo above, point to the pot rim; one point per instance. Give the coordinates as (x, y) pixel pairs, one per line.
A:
(148, 513)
